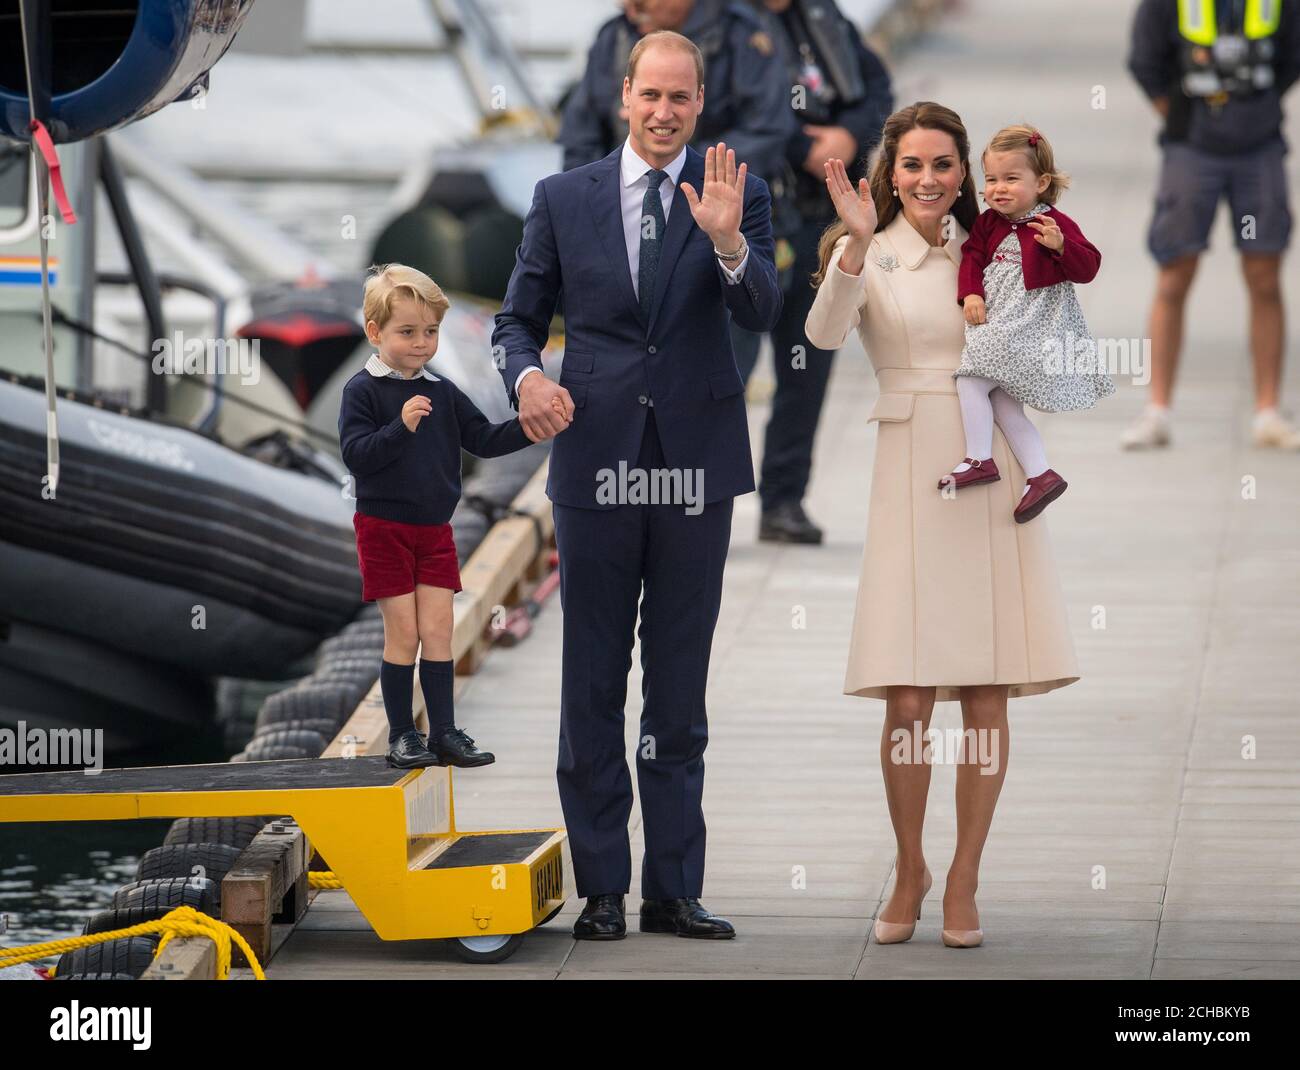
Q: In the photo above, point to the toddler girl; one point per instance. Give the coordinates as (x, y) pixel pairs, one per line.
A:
(1026, 339)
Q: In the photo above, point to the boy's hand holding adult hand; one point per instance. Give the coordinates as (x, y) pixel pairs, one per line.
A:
(973, 308)
(545, 407)
(416, 409)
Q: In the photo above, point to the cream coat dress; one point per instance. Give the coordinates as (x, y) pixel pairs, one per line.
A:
(953, 591)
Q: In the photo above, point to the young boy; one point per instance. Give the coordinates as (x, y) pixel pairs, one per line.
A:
(401, 430)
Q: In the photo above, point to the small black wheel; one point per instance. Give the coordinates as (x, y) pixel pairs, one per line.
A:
(482, 949)
(550, 916)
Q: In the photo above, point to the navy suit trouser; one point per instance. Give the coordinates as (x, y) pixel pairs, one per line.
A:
(672, 562)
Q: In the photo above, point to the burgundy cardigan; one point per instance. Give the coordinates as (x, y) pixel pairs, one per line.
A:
(1077, 261)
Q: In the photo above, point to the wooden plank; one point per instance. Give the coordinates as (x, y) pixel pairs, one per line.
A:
(188, 958)
(507, 561)
(267, 883)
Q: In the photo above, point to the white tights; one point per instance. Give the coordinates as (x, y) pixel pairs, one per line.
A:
(982, 402)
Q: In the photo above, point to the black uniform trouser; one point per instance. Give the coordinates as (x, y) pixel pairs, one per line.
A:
(800, 381)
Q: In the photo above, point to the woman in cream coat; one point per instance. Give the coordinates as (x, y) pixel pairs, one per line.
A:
(956, 600)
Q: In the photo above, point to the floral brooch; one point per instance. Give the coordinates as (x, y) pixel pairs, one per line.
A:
(887, 261)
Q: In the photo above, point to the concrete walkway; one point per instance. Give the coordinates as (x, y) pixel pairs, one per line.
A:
(1132, 839)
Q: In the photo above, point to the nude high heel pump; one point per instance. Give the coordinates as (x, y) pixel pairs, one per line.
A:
(895, 932)
(962, 937)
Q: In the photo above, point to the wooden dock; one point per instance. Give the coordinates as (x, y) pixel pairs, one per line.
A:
(1137, 769)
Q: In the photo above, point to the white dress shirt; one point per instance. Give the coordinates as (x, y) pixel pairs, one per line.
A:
(635, 181)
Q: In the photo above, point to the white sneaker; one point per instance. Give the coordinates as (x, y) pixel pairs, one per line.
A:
(1271, 429)
(1151, 429)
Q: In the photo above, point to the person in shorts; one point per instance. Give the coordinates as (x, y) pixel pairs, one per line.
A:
(1216, 71)
(402, 429)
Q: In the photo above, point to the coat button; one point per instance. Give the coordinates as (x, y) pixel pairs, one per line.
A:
(642, 399)
(652, 350)
(1013, 226)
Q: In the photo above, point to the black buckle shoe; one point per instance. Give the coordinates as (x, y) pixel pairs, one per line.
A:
(788, 522)
(454, 747)
(601, 919)
(685, 917)
(409, 752)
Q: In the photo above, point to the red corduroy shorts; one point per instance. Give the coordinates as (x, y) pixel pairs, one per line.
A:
(395, 557)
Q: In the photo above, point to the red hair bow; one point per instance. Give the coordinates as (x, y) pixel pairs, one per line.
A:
(1033, 139)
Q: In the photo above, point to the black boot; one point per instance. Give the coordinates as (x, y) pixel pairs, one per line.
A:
(788, 522)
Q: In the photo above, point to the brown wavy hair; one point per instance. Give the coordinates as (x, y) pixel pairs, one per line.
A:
(928, 116)
(1039, 157)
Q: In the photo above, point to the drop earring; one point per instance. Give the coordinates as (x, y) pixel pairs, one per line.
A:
(895, 191)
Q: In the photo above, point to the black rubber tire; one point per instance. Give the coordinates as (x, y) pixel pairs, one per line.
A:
(180, 860)
(170, 892)
(348, 666)
(275, 745)
(94, 977)
(130, 956)
(332, 701)
(318, 725)
(500, 954)
(238, 703)
(108, 920)
(235, 831)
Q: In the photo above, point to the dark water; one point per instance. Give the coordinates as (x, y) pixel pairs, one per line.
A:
(55, 875)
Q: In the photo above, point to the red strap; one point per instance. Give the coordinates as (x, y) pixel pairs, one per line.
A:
(41, 137)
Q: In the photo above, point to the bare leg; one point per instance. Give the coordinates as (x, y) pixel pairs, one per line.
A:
(400, 632)
(1166, 325)
(1266, 325)
(434, 613)
(907, 783)
(983, 709)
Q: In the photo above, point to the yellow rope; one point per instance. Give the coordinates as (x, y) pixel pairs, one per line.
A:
(323, 878)
(183, 921)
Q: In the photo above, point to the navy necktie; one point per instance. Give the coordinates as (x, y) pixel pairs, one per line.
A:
(652, 240)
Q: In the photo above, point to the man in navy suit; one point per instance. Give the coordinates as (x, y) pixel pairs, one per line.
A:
(655, 249)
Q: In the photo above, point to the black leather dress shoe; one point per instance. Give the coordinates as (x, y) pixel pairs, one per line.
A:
(454, 747)
(601, 919)
(409, 752)
(685, 917)
(788, 522)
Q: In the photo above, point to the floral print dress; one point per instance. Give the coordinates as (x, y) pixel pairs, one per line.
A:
(1035, 343)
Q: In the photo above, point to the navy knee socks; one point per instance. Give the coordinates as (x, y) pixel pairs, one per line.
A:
(396, 682)
(436, 681)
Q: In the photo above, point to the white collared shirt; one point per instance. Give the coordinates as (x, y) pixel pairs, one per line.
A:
(376, 367)
(633, 183)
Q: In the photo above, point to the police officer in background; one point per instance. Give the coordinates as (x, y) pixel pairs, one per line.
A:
(840, 94)
(1216, 71)
(745, 91)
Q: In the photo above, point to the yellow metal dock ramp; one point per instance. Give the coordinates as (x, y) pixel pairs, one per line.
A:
(389, 836)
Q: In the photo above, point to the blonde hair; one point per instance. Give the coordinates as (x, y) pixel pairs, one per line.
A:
(1039, 155)
(668, 39)
(387, 281)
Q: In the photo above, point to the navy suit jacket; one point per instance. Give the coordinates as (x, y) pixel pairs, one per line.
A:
(614, 358)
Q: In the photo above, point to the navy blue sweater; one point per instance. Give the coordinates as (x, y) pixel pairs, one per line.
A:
(414, 476)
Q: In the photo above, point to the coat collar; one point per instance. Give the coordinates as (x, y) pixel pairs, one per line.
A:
(912, 247)
(380, 370)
